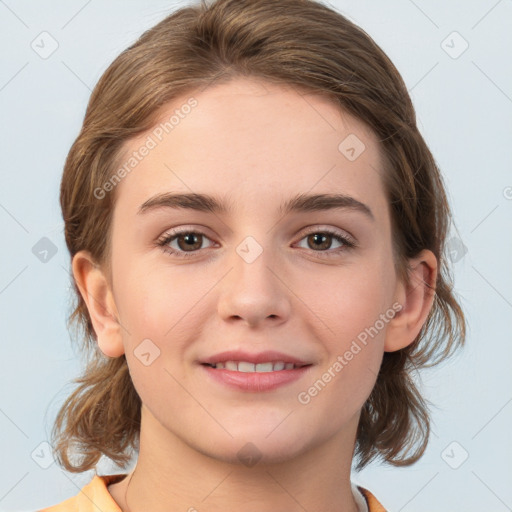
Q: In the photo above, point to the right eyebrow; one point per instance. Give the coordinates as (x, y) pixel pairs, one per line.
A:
(298, 203)
(322, 202)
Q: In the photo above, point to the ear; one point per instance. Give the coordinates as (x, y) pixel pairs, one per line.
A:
(97, 294)
(416, 299)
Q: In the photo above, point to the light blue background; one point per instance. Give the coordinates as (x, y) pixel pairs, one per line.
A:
(464, 110)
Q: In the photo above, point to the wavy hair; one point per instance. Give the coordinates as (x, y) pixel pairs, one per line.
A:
(310, 46)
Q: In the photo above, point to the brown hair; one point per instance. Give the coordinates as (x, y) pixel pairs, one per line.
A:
(305, 44)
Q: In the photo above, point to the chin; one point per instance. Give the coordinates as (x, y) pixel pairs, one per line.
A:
(255, 447)
(251, 454)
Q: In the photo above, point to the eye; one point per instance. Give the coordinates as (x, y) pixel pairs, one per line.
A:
(321, 241)
(188, 242)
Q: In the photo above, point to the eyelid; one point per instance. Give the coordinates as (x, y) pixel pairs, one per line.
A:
(320, 228)
(171, 234)
(349, 242)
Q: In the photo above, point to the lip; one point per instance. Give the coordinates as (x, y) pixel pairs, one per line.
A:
(255, 382)
(260, 357)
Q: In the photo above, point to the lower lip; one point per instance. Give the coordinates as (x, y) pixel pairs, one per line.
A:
(256, 381)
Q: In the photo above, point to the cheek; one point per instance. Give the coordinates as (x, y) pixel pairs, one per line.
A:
(347, 300)
(159, 319)
(354, 346)
(349, 309)
(152, 302)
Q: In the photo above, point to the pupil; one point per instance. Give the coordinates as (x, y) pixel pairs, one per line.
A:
(319, 240)
(190, 240)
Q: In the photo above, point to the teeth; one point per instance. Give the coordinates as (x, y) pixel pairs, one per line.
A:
(263, 367)
(246, 367)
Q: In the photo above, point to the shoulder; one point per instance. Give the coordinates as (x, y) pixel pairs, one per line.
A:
(373, 504)
(95, 496)
(92, 497)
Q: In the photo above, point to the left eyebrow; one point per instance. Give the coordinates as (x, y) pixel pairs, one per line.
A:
(298, 203)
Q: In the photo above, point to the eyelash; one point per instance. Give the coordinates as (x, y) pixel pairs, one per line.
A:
(168, 237)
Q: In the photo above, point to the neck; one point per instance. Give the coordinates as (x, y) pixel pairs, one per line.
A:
(172, 476)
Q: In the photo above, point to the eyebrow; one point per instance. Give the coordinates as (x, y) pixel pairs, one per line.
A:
(298, 203)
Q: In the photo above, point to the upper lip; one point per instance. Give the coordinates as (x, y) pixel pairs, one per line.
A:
(260, 357)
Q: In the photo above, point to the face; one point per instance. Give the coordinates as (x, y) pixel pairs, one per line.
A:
(312, 286)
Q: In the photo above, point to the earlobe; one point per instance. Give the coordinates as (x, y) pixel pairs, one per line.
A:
(97, 294)
(416, 298)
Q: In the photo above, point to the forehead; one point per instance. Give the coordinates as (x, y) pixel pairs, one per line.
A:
(249, 139)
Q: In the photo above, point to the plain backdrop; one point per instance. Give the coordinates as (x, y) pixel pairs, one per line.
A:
(455, 58)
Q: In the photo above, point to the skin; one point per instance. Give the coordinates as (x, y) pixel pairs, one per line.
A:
(257, 144)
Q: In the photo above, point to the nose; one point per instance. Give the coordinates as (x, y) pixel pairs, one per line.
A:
(254, 292)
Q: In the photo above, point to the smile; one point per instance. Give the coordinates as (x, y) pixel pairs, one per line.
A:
(247, 367)
(255, 377)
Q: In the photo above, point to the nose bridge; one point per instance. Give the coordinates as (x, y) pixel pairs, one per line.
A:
(252, 260)
(252, 290)
(255, 261)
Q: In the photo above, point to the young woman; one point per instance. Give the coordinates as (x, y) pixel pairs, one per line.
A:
(257, 234)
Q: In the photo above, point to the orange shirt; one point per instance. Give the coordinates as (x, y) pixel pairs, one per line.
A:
(94, 497)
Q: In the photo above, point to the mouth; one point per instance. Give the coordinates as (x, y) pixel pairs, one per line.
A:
(248, 367)
(255, 377)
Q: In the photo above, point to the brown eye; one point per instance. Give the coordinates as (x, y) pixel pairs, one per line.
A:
(189, 241)
(322, 240)
(183, 243)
